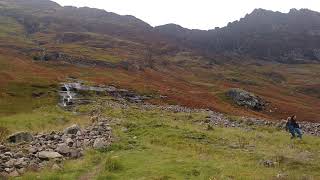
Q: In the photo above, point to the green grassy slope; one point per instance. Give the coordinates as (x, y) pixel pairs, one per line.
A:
(154, 144)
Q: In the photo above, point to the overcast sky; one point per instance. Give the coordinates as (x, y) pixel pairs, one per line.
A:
(196, 14)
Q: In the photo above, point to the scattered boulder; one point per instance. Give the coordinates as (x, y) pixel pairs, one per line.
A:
(75, 153)
(100, 143)
(33, 166)
(244, 98)
(20, 137)
(72, 129)
(63, 149)
(9, 154)
(21, 170)
(282, 176)
(268, 163)
(32, 150)
(69, 142)
(47, 155)
(14, 173)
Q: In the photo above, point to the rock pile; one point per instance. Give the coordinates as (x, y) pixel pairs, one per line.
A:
(172, 108)
(20, 137)
(218, 119)
(310, 128)
(244, 98)
(15, 159)
(221, 120)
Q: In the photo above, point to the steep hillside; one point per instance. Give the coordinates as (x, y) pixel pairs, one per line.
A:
(41, 39)
(83, 32)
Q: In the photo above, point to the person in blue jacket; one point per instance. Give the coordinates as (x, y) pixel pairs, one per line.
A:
(293, 127)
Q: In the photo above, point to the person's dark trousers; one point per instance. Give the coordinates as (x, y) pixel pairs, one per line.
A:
(299, 132)
(293, 131)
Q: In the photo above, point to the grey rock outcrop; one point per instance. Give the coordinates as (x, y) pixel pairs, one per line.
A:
(20, 137)
(72, 129)
(247, 99)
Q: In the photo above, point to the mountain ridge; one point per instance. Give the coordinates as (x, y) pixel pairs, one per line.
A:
(274, 36)
(262, 30)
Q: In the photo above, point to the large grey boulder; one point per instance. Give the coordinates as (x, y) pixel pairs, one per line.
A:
(244, 98)
(20, 137)
(47, 155)
(72, 129)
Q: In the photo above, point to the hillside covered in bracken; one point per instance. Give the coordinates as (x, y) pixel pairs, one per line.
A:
(90, 94)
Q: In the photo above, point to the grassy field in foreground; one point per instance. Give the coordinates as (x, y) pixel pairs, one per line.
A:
(153, 144)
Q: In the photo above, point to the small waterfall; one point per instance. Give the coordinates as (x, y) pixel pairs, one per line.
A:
(71, 94)
(67, 95)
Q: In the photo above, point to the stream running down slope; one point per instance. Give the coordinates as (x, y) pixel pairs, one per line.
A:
(73, 93)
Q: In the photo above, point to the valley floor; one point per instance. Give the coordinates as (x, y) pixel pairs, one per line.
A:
(155, 143)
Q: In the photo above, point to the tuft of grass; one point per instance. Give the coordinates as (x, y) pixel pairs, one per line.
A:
(113, 165)
(242, 141)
